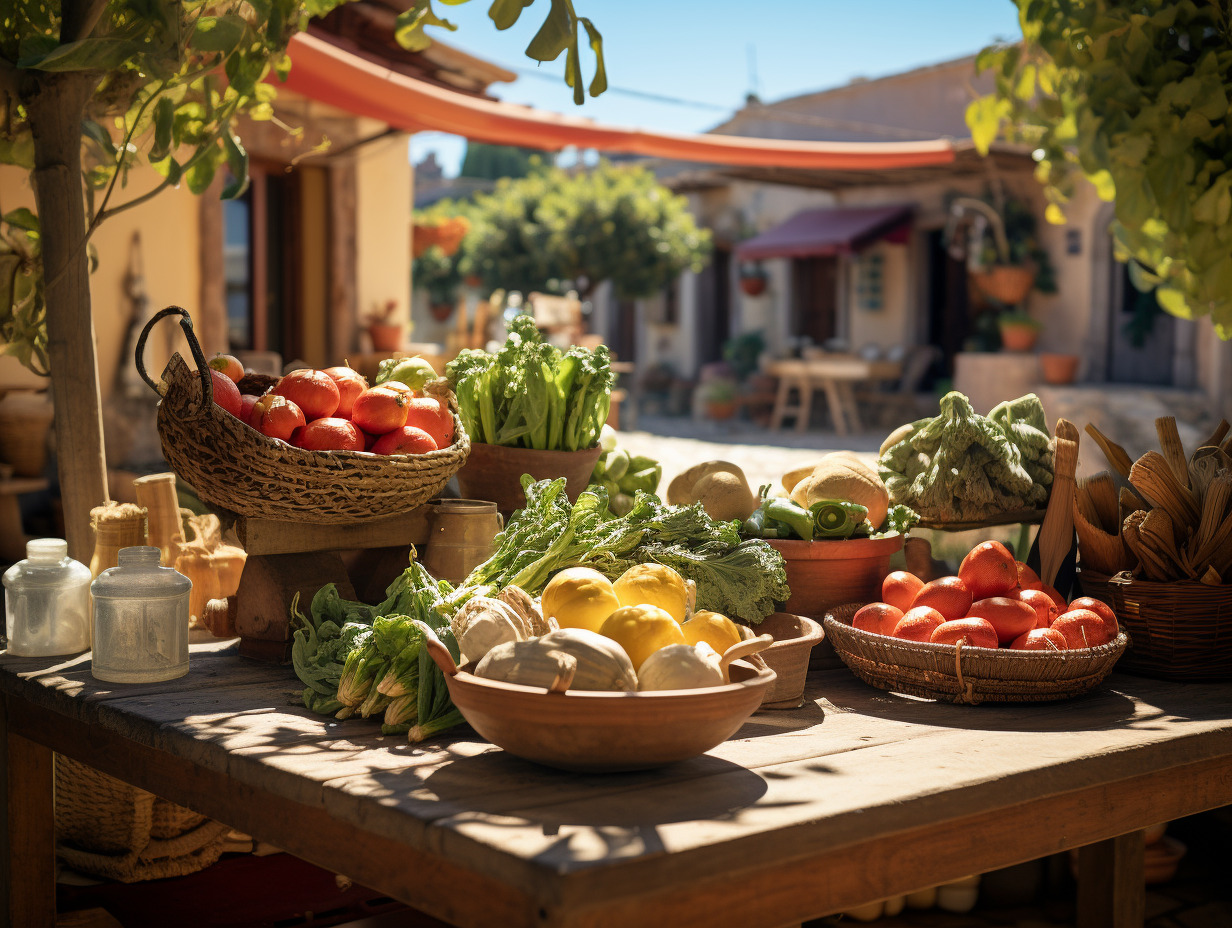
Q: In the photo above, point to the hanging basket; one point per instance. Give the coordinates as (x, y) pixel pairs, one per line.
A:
(1005, 283)
(234, 467)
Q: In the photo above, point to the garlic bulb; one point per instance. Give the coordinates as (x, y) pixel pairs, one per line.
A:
(602, 664)
(681, 667)
(482, 624)
(527, 609)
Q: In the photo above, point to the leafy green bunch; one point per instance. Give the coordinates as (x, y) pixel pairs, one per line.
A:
(557, 227)
(1135, 97)
(530, 394)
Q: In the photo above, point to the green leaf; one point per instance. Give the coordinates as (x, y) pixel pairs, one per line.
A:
(237, 161)
(201, 174)
(554, 36)
(1215, 205)
(504, 13)
(599, 83)
(22, 218)
(219, 33)
(164, 121)
(984, 121)
(1174, 302)
(409, 26)
(93, 54)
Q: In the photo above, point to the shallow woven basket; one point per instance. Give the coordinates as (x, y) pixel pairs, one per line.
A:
(1177, 631)
(235, 467)
(967, 675)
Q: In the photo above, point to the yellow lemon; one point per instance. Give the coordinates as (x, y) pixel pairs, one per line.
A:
(641, 630)
(579, 597)
(653, 585)
(716, 630)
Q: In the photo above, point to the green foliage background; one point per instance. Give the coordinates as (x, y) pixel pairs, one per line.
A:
(1136, 98)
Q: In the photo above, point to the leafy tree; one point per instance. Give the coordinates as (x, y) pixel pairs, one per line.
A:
(1135, 97)
(556, 228)
(167, 79)
(491, 162)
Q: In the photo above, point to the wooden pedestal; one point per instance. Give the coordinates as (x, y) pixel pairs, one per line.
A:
(285, 559)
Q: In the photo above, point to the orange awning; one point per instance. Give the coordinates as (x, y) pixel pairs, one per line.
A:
(322, 71)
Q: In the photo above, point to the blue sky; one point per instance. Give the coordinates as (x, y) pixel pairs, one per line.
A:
(714, 52)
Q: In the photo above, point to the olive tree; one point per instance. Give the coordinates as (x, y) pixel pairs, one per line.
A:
(1136, 98)
(90, 90)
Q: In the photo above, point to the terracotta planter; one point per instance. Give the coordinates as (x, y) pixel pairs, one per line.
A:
(441, 311)
(1004, 283)
(753, 286)
(494, 472)
(794, 639)
(1059, 368)
(1018, 336)
(823, 574)
(386, 336)
(721, 409)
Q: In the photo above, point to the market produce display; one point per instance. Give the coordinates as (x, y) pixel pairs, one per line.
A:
(735, 577)
(336, 410)
(719, 487)
(963, 467)
(530, 394)
(994, 601)
(837, 497)
(1173, 521)
(623, 474)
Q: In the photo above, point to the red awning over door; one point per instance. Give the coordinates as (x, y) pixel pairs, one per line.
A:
(817, 232)
(322, 71)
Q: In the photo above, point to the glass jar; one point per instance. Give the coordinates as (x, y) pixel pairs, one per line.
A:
(47, 601)
(140, 620)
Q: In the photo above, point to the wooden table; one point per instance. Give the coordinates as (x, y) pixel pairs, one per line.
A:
(857, 796)
(837, 376)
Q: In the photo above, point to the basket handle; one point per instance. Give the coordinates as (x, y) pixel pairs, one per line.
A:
(203, 369)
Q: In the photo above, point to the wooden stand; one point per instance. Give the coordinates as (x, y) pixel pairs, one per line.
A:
(287, 558)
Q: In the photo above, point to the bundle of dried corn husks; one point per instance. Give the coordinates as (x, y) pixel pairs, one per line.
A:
(1173, 521)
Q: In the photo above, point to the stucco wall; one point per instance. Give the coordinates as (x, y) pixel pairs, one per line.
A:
(169, 264)
(383, 203)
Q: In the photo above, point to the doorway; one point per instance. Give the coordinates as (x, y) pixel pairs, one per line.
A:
(714, 307)
(1141, 336)
(814, 304)
(949, 320)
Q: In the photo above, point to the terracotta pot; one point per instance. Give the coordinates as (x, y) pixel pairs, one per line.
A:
(794, 638)
(1006, 284)
(1018, 336)
(474, 281)
(494, 472)
(753, 286)
(720, 410)
(1059, 368)
(823, 574)
(385, 336)
(441, 311)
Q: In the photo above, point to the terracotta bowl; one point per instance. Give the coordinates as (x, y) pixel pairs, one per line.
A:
(494, 472)
(601, 732)
(823, 574)
(794, 639)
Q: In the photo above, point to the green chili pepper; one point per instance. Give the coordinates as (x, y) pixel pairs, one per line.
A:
(755, 525)
(792, 514)
(836, 518)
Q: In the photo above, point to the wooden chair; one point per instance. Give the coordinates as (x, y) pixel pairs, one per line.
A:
(903, 400)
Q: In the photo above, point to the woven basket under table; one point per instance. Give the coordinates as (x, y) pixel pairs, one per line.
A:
(1179, 630)
(966, 675)
(233, 466)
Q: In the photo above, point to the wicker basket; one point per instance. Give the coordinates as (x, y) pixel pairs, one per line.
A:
(967, 675)
(236, 468)
(1177, 631)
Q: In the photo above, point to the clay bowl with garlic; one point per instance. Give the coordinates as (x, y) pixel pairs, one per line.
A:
(589, 731)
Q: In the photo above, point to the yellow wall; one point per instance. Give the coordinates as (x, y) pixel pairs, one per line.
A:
(313, 269)
(170, 242)
(383, 203)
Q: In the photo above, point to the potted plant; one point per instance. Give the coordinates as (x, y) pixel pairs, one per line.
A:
(753, 279)
(1019, 331)
(384, 328)
(1005, 260)
(719, 396)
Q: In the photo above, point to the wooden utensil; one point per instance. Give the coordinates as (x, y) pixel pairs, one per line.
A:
(1152, 476)
(1056, 536)
(1217, 436)
(1172, 448)
(1117, 456)
(1101, 492)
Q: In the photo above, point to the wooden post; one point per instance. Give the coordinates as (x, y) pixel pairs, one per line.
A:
(55, 103)
(27, 854)
(1112, 883)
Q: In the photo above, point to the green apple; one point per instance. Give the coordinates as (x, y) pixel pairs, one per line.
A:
(414, 372)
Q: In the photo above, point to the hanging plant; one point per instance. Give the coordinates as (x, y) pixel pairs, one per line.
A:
(753, 279)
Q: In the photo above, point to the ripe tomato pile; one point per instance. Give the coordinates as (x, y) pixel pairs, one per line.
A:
(994, 601)
(336, 410)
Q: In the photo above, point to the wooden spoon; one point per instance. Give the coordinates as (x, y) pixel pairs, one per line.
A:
(1056, 535)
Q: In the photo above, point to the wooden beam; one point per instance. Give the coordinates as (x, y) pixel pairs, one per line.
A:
(27, 833)
(265, 536)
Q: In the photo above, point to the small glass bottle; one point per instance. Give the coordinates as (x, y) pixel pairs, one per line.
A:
(140, 620)
(47, 601)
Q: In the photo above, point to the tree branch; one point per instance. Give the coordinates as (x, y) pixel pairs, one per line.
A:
(135, 201)
(80, 18)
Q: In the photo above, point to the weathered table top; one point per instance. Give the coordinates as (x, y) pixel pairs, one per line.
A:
(856, 796)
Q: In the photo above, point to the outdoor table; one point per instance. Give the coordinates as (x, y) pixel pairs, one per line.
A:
(835, 375)
(857, 796)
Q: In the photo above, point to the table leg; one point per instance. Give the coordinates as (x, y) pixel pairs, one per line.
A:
(27, 833)
(848, 393)
(804, 412)
(1111, 886)
(835, 400)
(780, 403)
